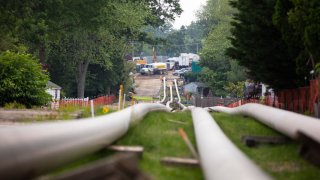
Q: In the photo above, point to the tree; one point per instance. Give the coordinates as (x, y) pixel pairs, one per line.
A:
(30, 23)
(91, 30)
(224, 69)
(22, 80)
(294, 41)
(175, 42)
(304, 16)
(235, 89)
(258, 45)
(101, 31)
(162, 11)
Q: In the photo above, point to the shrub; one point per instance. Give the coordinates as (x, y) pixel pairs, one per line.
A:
(22, 80)
(14, 105)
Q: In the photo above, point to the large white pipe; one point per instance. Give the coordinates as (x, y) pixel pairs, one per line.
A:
(177, 90)
(171, 98)
(119, 104)
(286, 122)
(30, 150)
(183, 107)
(171, 94)
(164, 90)
(219, 158)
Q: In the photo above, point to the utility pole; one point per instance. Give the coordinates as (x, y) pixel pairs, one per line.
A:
(132, 49)
(197, 48)
(154, 55)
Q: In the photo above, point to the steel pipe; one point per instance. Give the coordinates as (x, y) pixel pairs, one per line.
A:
(183, 107)
(171, 98)
(27, 151)
(219, 158)
(286, 122)
(177, 90)
(164, 90)
(171, 94)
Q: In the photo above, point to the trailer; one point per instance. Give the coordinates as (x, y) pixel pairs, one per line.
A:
(184, 60)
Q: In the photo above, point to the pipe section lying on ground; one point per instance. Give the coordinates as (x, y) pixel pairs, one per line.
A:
(177, 90)
(219, 158)
(27, 151)
(164, 90)
(183, 107)
(171, 98)
(286, 122)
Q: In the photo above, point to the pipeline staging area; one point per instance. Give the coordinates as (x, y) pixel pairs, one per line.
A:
(35, 149)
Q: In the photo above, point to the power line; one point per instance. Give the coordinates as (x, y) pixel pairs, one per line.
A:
(190, 44)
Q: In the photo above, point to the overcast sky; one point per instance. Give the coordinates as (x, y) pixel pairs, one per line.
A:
(190, 8)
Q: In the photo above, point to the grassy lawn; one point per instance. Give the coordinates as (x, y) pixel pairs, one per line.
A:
(280, 161)
(72, 112)
(143, 98)
(160, 138)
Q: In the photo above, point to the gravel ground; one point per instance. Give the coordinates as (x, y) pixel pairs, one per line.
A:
(150, 85)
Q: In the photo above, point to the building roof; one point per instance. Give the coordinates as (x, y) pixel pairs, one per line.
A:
(198, 84)
(51, 85)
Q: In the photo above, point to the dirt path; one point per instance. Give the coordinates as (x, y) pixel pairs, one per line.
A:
(150, 85)
(13, 117)
(147, 85)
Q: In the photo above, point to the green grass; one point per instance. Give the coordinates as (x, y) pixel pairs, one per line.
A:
(160, 138)
(143, 98)
(86, 111)
(68, 113)
(280, 161)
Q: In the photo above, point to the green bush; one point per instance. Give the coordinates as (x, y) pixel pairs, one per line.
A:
(22, 80)
(14, 105)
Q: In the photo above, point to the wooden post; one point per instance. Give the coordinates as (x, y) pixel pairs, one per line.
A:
(132, 99)
(188, 142)
(124, 101)
(120, 97)
(92, 108)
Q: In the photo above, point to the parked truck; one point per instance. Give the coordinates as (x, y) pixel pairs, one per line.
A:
(140, 63)
(184, 60)
(171, 62)
(154, 68)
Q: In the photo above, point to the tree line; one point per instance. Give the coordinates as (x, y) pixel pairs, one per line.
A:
(276, 42)
(81, 43)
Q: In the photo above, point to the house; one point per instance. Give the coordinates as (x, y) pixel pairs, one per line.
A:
(54, 90)
(197, 88)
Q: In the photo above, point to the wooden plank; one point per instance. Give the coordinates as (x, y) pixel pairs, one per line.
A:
(188, 142)
(178, 122)
(309, 148)
(127, 149)
(118, 167)
(252, 141)
(175, 161)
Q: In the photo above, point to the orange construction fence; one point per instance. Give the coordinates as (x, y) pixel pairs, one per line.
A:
(300, 100)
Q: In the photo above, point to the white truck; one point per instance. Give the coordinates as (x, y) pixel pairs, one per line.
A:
(154, 68)
(184, 60)
(171, 62)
